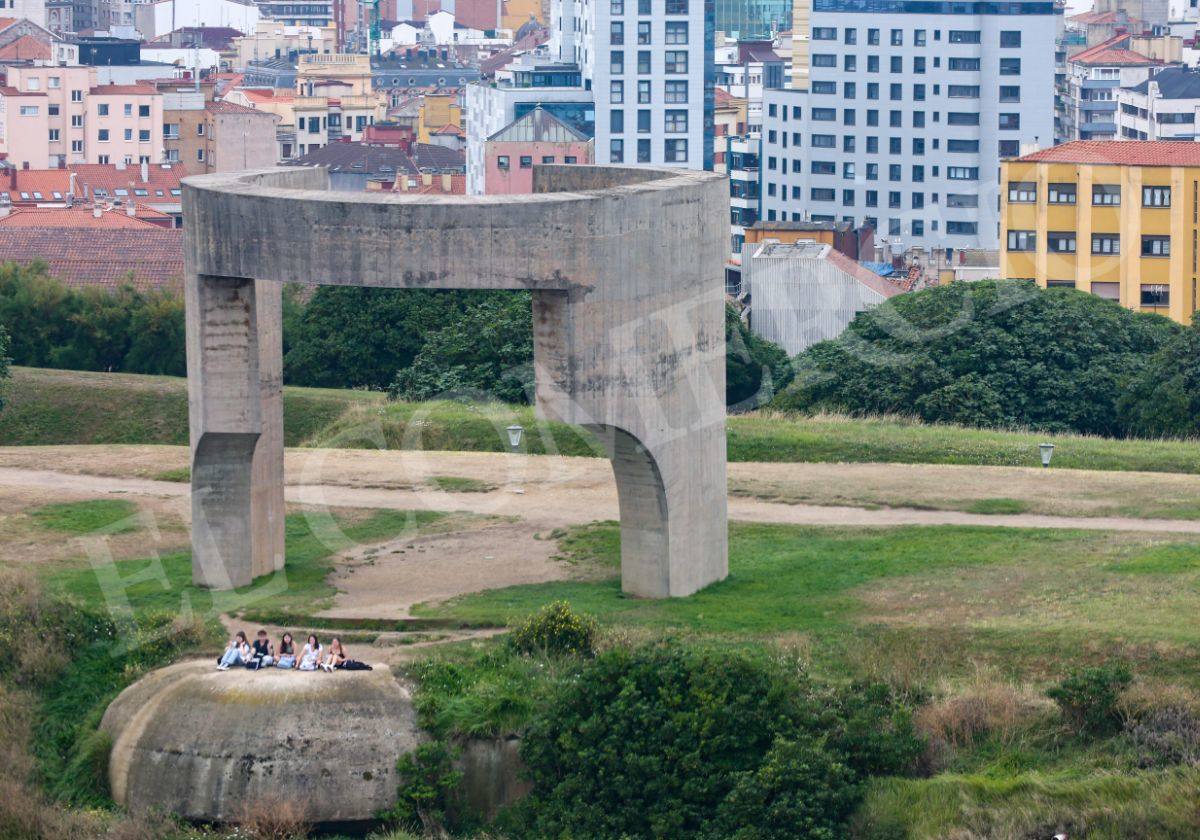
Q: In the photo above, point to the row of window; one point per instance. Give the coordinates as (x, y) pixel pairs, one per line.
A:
(142, 110)
(644, 7)
(674, 121)
(871, 198)
(645, 63)
(916, 226)
(143, 135)
(674, 93)
(1009, 39)
(526, 161)
(1008, 66)
(1103, 244)
(1151, 294)
(676, 32)
(871, 170)
(674, 151)
(1026, 192)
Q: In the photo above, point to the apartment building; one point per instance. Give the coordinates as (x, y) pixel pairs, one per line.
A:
(1161, 108)
(537, 137)
(64, 92)
(910, 107)
(1114, 218)
(123, 123)
(649, 65)
(1091, 85)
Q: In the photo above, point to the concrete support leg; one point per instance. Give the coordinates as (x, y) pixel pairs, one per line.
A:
(225, 408)
(267, 510)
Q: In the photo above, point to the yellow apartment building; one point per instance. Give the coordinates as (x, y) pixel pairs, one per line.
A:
(1118, 219)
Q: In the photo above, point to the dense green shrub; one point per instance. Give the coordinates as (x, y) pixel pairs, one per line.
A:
(428, 779)
(991, 353)
(683, 741)
(554, 629)
(1163, 398)
(1088, 697)
(755, 369)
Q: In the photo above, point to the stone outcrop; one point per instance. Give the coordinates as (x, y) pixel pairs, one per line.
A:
(200, 743)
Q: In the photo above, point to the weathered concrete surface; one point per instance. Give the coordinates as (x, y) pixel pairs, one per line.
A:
(626, 267)
(200, 743)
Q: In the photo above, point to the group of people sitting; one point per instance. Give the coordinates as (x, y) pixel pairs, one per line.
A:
(263, 653)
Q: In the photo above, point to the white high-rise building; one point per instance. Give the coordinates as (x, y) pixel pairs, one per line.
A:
(649, 66)
(910, 107)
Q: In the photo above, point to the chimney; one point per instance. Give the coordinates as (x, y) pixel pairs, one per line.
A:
(145, 172)
(97, 211)
(5, 209)
(426, 178)
(447, 180)
(120, 165)
(72, 186)
(130, 209)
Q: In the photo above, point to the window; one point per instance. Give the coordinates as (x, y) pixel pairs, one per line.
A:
(643, 91)
(895, 172)
(962, 118)
(616, 121)
(29, 110)
(849, 90)
(1061, 194)
(849, 116)
(1107, 291)
(643, 32)
(675, 151)
(502, 162)
(526, 162)
(872, 117)
(961, 228)
(970, 146)
(1010, 122)
(897, 37)
(128, 109)
(848, 143)
(314, 127)
(1010, 93)
(616, 63)
(616, 92)
(822, 194)
(54, 82)
(102, 109)
(676, 61)
(199, 154)
(824, 88)
(1010, 39)
(1060, 242)
(1010, 148)
(616, 32)
(823, 167)
(677, 32)
(894, 200)
(102, 135)
(677, 7)
(848, 171)
(958, 200)
(919, 64)
(824, 114)
(1060, 284)
(850, 36)
(919, 37)
(825, 60)
(895, 119)
(872, 90)
(129, 134)
(570, 159)
(847, 198)
(872, 171)
(967, 64)
(872, 64)
(1155, 294)
(824, 33)
(962, 91)
(616, 151)
(1009, 66)
(823, 141)
(617, 7)
(54, 135)
(643, 62)
(676, 93)
(1156, 246)
(895, 91)
(872, 199)
(643, 121)
(959, 36)
(52, 110)
(1156, 196)
(76, 145)
(1106, 194)
(873, 37)
(962, 173)
(77, 96)
(894, 146)
(1106, 243)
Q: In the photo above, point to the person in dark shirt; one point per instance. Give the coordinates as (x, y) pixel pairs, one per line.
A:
(262, 652)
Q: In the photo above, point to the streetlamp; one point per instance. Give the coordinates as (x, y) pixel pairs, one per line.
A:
(514, 436)
(1047, 451)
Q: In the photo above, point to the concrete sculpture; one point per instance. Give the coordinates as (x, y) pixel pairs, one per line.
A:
(625, 267)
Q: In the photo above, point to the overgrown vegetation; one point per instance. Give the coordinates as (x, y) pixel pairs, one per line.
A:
(993, 354)
(555, 630)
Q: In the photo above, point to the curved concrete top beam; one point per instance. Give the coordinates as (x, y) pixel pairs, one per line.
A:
(582, 222)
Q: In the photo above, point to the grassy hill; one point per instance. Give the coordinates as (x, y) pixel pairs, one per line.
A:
(47, 407)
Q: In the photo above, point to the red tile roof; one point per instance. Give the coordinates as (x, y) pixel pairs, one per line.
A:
(220, 106)
(106, 176)
(1095, 17)
(45, 181)
(1113, 51)
(26, 48)
(7, 22)
(74, 218)
(1120, 153)
(106, 258)
(862, 274)
(122, 90)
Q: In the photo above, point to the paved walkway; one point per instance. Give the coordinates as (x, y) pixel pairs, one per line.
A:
(553, 506)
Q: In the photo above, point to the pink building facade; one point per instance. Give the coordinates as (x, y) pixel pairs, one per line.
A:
(537, 138)
(65, 90)
(124, 124)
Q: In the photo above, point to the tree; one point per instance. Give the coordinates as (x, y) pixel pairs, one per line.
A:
(1163, 398)
(4, 361)
(755, 369)
(991, 353)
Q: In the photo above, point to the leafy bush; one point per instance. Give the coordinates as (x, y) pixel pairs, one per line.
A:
(684, 741)
(554, 629)
(428, 780)
(1166, 736)
(990, 353)
(1089, 697)
(1163, 398)
(801, 790)
(755, 369)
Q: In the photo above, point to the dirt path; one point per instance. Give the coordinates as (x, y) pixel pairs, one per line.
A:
(545, 498)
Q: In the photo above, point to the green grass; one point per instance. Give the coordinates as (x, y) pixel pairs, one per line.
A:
(998, 506)
(460, 484)
(928, 600)
(68, 407)
(112, 516)
(165, 583)
(182, 474)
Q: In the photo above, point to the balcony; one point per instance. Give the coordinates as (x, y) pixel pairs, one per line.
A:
(1098, 106)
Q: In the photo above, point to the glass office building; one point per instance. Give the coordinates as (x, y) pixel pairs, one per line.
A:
(753, 19)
